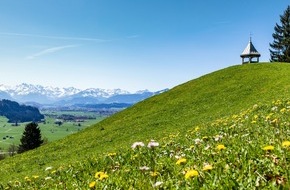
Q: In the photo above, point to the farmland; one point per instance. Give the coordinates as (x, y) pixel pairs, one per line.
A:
(50, 130)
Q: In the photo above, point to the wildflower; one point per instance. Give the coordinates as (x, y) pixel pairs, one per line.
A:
(286, 144)
(152, 144)
(92, 184)
(104, 176)
(190, 174)
(274, 121)
(207, 147)
(112, 154)
(191, 147)
(268, 148)
(154, 174)
(283, 110)
(137, 144)
(221, 147)
(48, 168)
(269, 116)
(17, 183)
(197, 141)
(27, 179)
(207, 167)
(158, 183)
(47, 178)
(35, 176)
(144, 168)
(181, 161)
(98, 174)
(275, 108)
(218, 137)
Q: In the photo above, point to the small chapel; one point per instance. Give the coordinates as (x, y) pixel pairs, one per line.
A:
(250, 54)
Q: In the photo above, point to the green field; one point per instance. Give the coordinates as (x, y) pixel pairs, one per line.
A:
(10, 134)
(229, 129)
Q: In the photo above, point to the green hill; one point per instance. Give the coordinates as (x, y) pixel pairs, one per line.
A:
(195, 103)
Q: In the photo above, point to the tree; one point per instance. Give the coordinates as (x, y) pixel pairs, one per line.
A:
(31, 138)
(280, 48)
(12, 150)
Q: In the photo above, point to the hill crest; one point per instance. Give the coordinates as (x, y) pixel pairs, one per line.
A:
(202, 100)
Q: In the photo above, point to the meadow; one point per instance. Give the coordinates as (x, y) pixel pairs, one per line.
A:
(10, 134)
(229, 129)
(248, 150)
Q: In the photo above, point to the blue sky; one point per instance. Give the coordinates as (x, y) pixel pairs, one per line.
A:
(128, 44)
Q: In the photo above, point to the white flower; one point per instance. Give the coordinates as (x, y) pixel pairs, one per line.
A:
(144, 168)
(47, 178)
(48, 168)
(207, 147)
(177, 157)
(197, 141)
(137, 144)
(158, 183)
(218, 137)
(152, 144)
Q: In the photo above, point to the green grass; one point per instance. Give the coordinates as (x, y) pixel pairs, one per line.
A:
(49, 130)
(179, 111)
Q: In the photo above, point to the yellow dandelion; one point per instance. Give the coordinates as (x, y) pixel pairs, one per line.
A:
(207, 167)
(181, 161)
(268, 148)
(27, 179)
(112, 154)
(190, 174)
(92, 184)
(154, 174)
(286, 144)
(221, 147)
(283, 110)
(103, 176)
(35, 176)
(98, 174)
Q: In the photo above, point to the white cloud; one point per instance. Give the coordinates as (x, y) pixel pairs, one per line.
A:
(50, 50)
(54, 37)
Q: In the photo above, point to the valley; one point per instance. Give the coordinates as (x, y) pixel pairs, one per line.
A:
(55, 126)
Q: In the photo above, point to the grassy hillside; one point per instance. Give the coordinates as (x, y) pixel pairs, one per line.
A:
(203, 100)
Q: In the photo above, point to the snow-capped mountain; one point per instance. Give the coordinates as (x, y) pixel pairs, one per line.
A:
(69, 96)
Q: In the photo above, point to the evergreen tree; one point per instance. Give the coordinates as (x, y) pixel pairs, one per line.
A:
(31, 138)
(280, 48)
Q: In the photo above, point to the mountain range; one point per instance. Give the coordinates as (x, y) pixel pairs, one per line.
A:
(29, 93)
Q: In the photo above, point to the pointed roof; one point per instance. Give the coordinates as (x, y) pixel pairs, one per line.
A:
(250, 50)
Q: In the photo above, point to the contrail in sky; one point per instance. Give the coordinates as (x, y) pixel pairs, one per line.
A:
(53, 37)
(50, 50)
